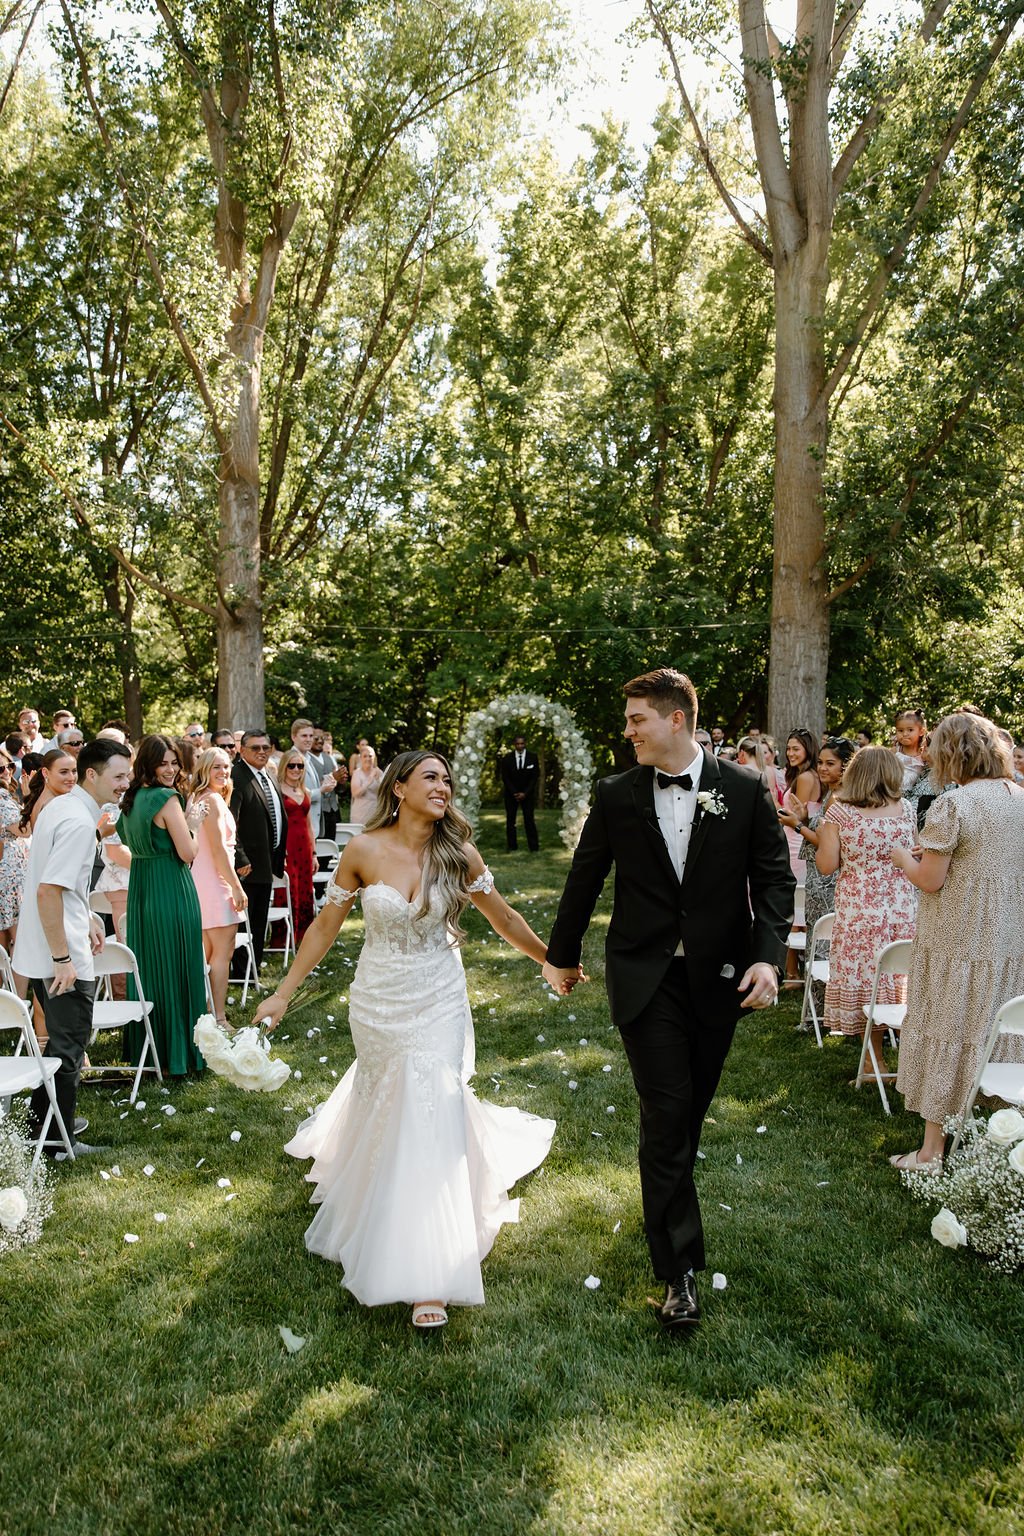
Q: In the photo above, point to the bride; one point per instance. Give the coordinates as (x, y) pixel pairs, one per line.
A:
(411, 1169)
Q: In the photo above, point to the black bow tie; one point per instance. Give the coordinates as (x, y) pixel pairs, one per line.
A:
(682, 779)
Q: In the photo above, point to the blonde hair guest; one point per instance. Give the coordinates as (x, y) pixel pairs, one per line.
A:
(221, 898)
(968, 956)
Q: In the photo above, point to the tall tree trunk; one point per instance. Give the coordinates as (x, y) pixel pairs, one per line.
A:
(800, 614)
(131, 685)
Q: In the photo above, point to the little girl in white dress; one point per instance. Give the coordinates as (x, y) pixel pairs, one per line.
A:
(411, 1169)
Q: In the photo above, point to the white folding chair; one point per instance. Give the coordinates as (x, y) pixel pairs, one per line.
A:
(281, 914)
(327, 855)
(99, 901)
(997, 1079)
(243, 940)
(891, 960)
(345, 831)
(116, 959)
(798, 935)
(816, 969)
(23, 1073)
(6, 974)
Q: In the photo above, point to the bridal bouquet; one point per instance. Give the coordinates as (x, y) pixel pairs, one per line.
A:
(981, 1191)
(26, 1196)
(243, 1057)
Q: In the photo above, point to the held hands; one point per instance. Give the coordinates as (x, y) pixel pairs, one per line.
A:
(562, 979)
(270, 1011)
(760, 984)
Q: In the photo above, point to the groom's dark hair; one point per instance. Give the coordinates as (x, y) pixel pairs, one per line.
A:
(665, 689)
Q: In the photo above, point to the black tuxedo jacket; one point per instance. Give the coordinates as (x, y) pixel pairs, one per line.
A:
(519, 781)
(734, 905)
(254, 826)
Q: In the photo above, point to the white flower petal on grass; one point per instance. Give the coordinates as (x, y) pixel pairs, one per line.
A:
(702, 1156)
(616, 1227)
(232, 1196)
(131, 1237)
(598, 1134)
(104, 1174)
(235, 1136)
(159, 1215)
(718, 1281)
(210, 1109)
(584, 1042)
(223, 1183)
(322, 1060)
(123, 1115)
(140, 1103)
(169, 1109)
(573, 1085)
(739, 1161)
(149, 1170)
(330, 1018)
(298, 1075)
(291, 1341)
(822, 1184)
(606, 1067)
(761, 1130)
(724, 1206)
(540, 1039)
(201, 1161)
(572, 1018)
(610, 1110)
(947, 1230)
(592, 1283)
(115, 1170)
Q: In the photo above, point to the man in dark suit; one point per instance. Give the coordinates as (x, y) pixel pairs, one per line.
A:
(520, 773)
(703, 905)
(261, 824)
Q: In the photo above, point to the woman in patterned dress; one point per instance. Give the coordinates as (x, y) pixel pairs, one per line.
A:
(13, 856)
(411, 1169)
(874, 905)
(968, 954)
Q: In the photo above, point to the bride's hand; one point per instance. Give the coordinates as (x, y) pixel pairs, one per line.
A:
(270, 1011)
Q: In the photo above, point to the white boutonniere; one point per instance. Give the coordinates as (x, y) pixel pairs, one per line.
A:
(711, 802)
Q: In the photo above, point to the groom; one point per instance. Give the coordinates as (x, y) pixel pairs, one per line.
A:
(703, 904)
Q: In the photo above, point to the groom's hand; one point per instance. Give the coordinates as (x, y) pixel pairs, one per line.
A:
(562, 979)
(761, 985)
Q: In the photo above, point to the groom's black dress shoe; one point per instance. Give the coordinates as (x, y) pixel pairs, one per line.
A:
(680, 1309)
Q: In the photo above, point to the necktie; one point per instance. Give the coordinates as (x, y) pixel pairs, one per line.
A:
(520, 760)
(271, 804)
(682, 779)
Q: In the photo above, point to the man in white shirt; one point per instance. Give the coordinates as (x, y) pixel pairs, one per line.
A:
(28, 725)
(58, 934)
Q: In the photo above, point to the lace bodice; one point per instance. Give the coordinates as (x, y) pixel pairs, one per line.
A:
(393, 924)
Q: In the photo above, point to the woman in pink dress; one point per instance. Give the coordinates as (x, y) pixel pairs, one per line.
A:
(221, 897)
(874, 904)
(300, 844)
(365, 782)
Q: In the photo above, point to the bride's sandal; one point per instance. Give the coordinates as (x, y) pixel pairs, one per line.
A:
(429, 1314)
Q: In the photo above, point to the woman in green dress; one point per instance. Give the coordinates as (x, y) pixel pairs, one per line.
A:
(164, 924)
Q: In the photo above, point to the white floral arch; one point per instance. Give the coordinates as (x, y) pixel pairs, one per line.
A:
(577, 763)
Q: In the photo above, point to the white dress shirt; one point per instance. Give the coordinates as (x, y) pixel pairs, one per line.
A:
(675, 809)
(62, 853)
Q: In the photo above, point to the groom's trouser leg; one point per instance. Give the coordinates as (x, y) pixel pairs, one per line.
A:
(676, 1064)
(511, 813)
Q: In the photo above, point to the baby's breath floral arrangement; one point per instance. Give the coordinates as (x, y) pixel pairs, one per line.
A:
(576, 762)
(980, 1190)
(26, 1193)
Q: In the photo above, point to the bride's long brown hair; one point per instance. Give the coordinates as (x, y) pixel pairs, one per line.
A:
(445, 865)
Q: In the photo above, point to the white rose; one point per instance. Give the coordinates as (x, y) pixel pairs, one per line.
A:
(247, 1058)
(948, 1231)
(1016, 1158)
(1006, 1126)
(13, 1207)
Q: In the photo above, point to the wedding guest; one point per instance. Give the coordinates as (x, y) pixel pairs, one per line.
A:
(63, 720)
(57, 774)
(187, 750)
(13, 856)
(864, 738)
(801, 779)
(968, 955)
(303, 733)
(755, 755)
(717, 739)
(196, 735)
(819, 889)
(57, 934)
(1018, 763)
(71, 741)
(259, 816)
(115, 728)
(112, 882)
(221, 897)
(353, 761)
(28, 725)
(300, 845)
(911, 732)
(14, 748)
(164, 924)
(225, 740)
(365, 781)
(867, 819)
(323, 763)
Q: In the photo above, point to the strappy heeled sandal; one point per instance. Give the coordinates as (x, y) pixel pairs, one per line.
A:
(429, 1314)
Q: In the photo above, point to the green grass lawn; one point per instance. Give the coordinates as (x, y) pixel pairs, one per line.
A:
(852, 1377)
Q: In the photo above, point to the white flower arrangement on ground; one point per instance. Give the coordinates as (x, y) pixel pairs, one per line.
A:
(26, 1193)
(981, 1191)
(243, 1057)
(576, 762)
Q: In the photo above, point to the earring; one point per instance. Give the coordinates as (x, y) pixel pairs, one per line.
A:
(394, 813)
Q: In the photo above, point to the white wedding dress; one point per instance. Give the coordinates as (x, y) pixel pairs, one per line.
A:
(411, 1168)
